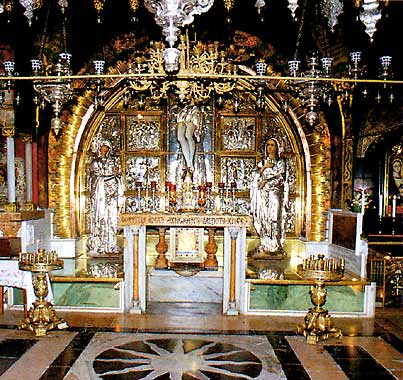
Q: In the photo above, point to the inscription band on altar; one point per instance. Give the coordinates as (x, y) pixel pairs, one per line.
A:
(185, 220)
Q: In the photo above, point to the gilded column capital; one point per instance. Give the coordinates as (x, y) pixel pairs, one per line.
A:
(26, 138)
(8, 131)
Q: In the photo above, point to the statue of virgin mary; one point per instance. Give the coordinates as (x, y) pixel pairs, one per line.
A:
(269, 200)
(106, 201)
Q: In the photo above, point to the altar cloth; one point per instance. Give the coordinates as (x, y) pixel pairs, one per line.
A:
(12, 276)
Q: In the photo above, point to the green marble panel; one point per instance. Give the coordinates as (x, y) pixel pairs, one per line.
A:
(18, 298)
(86, 294)
(297, 298)
(80, 294)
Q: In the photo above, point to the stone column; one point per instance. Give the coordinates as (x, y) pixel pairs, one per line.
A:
(9, 133)
(232, 276)
(29, 204)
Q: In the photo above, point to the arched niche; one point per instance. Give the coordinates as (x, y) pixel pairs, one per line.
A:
(308, 151)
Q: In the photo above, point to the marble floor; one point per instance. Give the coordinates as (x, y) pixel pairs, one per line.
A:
(195, 342)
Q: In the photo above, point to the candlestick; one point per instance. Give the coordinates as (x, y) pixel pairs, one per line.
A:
(28, 170)
(362, 201)
(394, 207)
(380, 205)
(10, 170)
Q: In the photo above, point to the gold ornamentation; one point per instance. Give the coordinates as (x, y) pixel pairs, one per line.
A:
(134, 5)
(8, 131)
(211, 250)
(29, 206)
(99, 5)
(26, 138)
(229, 5)
(11, 207)
(8, 6)
(161, 262)
(196, 59)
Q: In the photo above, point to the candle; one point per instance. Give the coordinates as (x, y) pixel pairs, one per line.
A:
(362, 201)
(380, 206)
(394, 207)
(11, 170)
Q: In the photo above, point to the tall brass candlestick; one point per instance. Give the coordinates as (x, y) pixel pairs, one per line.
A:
(318, 324)
(41, 317)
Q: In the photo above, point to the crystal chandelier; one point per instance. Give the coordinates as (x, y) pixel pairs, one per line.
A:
(56, 91)
(310, 88)
(370, 15)
(292, 6)
(385, 74)
(29, 5)
(171, 15)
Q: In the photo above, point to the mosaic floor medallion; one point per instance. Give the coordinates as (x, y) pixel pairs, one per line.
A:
(177, 357)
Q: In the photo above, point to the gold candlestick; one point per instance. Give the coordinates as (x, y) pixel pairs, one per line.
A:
(318, 324)
(41, 317)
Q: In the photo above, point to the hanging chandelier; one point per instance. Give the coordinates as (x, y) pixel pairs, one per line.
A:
(56, 91)
(202, 70)
(171, 15)
(310, 89)
(201, 73)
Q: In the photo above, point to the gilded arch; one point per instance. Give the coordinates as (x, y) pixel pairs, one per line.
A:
(310, 151)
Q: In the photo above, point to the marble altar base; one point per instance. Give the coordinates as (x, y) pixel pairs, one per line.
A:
(168, 286)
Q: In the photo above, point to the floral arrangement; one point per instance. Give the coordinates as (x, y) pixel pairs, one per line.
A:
(357, 201)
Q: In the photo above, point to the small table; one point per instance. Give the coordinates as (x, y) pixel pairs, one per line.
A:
(12, 276)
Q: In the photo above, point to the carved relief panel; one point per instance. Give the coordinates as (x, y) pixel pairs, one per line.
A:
(144, 158)
(143, 132)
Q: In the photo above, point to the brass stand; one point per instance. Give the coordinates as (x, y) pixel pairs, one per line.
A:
(318, 324)
(41, 317)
